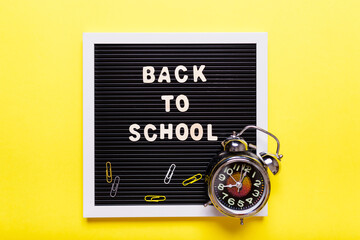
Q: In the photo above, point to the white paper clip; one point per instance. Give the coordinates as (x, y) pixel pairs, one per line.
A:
(115, 186)
(169, 174)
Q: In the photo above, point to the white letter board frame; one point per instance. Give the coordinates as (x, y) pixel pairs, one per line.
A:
(90, 210)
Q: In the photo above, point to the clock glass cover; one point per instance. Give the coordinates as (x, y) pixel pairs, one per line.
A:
(240, 186)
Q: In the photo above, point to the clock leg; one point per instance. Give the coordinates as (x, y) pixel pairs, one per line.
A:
(207, 204)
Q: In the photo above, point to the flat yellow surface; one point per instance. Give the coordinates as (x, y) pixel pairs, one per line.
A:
(314, 96)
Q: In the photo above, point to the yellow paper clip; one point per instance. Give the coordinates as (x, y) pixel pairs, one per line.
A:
(115, 186)
(154, 198)
(108, 172)
(192, 179)
(169, 174)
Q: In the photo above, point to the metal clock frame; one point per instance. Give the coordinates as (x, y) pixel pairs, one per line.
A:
(239, 213)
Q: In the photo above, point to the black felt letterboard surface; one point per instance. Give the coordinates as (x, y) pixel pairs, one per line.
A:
(227, 101)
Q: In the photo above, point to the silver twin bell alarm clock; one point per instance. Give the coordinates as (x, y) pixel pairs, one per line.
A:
(238, 180)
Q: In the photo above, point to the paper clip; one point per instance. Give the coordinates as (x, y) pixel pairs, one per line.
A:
(192, 179)
(169, 174)
(108, 172)
(154, 198)
(115, 186)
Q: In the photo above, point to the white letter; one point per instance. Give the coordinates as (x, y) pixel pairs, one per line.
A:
(177, 69)
(186, 103)
(146, 132)
(148, 71)
(192, 131)
(164, 75)
(198, 73)
(167, 99)
(178, 133)
(210, 137)
(132, 131)
(164, 131)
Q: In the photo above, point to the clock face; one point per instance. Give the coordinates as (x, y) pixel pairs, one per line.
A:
(239, 186)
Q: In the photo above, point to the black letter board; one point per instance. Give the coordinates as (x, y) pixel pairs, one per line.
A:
(159, 101)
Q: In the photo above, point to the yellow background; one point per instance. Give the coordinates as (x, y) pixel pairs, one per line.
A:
(314, 96)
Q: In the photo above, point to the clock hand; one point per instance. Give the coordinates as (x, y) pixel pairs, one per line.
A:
(240, 176)
(233, 178)
(238, 183)
(241, 172)
(230, 186)
(241, 180)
